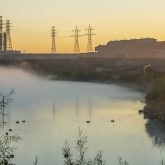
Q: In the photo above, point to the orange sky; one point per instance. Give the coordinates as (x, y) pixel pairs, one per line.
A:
(112, 19)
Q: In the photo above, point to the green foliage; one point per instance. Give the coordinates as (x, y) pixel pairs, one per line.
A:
(157, 92)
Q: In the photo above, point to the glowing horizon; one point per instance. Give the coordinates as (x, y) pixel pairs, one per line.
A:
(111, 19)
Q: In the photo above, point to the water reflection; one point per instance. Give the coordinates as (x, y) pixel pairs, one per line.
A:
(5, 100)
(156, 131)
(77, 107)
(80, 105)
(54, 109)
(90, 108)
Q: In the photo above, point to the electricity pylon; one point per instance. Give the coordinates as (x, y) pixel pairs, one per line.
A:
(89, 34)
(76, 44)
(53, 34)
(1, 33)
(8, 36)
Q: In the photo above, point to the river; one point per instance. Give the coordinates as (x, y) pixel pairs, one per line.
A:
(55, 110)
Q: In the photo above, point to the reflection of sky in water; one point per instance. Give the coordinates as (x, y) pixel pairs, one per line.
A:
(55, 109)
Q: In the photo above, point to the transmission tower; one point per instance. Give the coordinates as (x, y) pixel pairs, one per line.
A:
(89, 34)
(53, 33)
(8, 36)
(1, 33)
(76, 36)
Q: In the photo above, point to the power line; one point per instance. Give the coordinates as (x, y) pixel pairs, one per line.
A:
(76, 36)
(30, 32)
(53, 33)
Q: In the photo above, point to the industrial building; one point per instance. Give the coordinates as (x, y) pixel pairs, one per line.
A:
(135, 48)
(5, 38)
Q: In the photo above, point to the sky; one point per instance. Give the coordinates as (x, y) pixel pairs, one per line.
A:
(32, 21)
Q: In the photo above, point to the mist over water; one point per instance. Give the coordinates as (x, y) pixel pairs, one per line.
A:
(54, 110)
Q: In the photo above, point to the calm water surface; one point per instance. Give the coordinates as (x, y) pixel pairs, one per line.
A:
(54, 110)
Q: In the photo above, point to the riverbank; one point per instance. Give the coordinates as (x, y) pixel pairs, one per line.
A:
(126, 72)
(155, 100)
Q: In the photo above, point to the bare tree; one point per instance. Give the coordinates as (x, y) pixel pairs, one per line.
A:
(81, 147)
(67, 154)
(5, 100)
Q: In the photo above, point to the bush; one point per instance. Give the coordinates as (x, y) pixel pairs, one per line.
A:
(81, 149)
(6, 148)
